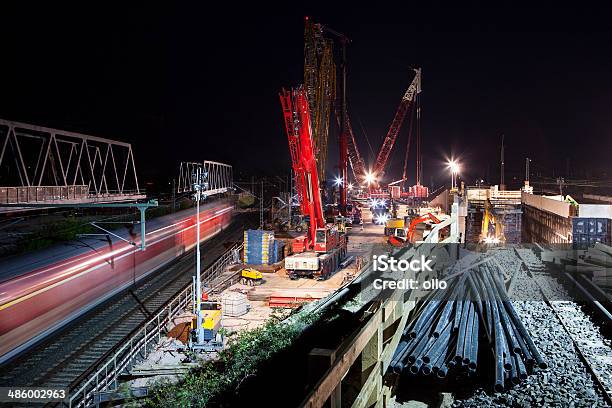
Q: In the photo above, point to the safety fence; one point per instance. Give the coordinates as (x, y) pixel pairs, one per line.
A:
(104, 375)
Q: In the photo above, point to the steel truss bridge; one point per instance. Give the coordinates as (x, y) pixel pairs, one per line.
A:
(218, 176)
(45, 165)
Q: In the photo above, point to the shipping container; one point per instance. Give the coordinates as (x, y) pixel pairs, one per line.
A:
(588, 231)
(579, 225)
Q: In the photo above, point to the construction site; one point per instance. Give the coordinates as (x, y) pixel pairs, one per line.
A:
(353, 278)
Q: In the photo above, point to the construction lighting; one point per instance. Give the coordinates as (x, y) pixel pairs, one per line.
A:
(369, 178)
(339, 181)
(350, 186)
(382, 219)
(454, 167)
(491, 240)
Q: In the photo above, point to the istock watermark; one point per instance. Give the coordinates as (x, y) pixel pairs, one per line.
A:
(413, 284)
(384, 263)
(409, 267)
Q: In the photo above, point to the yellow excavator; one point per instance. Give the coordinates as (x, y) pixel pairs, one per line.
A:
(489, 219)
(251, 277)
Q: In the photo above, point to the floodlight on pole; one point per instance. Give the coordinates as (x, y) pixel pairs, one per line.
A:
(199, 184)
(369, 178)
(454, 168)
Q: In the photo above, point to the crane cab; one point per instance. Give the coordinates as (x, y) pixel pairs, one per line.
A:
(326, 239)
(398, 237)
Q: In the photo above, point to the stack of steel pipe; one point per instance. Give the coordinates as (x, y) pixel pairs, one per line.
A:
(452, 327)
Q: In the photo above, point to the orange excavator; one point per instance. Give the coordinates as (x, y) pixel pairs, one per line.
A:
(401, 237)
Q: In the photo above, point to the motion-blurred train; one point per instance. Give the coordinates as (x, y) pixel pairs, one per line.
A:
(42, 291)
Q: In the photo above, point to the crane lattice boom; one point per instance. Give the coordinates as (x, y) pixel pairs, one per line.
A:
(320, 83)
(301, 145)
(396, 124)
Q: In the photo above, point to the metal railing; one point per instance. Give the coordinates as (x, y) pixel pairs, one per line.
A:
(135, 346)
(14, 195)
(64, 159)
(214, 271)
(61, 194)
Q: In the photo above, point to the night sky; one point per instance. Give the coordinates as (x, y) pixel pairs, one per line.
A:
(191, 83)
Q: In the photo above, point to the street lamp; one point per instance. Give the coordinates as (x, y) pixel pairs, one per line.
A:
(454, 169)
(369, 178)
(199, 183)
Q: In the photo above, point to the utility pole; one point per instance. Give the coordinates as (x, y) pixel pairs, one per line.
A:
(527, 160)
(173, 195)
(561, 182)
(502, 184)
(200, 183)
(261, 207)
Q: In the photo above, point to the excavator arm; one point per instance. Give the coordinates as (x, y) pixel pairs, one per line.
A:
(418, 220)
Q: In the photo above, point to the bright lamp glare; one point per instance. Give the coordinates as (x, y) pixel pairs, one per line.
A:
(491, 240)
(350, 186)
(369, 178)
(453, 166)
(382, 219)
(338, 181)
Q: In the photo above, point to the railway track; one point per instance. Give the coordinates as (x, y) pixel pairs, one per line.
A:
(590, 346)
(64, 356)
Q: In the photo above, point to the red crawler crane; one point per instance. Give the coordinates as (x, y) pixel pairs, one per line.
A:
(328, 244)
(355, 159)
(301, 147)
(361, 174)
(396, 124)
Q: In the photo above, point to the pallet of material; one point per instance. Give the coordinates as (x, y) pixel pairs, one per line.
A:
(234, 304)
(289, 301)
(266, 268)
(162, 369)
(264, 294)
